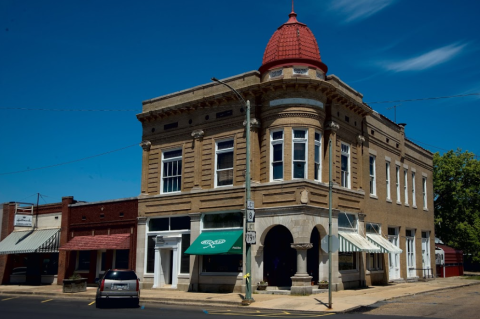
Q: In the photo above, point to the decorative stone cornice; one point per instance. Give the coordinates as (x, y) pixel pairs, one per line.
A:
(284, 115)
(141, 220)
(360, 139)
(301, 246)
(254, 123)
(332, 126)
(146, 145)
(198, 134)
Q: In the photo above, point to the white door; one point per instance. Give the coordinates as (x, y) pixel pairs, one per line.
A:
(393, 259)
(426, 264)
(411, 259)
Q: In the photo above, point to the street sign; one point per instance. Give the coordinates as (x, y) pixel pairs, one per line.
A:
(251, 237)
(250, 204)
(250, 226)
(335, 244)
(250, 215)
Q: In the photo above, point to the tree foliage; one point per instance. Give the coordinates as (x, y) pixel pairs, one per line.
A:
(456, 186)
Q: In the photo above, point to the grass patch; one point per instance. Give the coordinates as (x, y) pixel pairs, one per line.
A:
(472, 277)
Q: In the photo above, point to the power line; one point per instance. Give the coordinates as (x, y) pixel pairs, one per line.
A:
(69, 162)
(426, 98)
(67, 110)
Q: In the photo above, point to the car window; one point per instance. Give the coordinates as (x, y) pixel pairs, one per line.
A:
(121, 275)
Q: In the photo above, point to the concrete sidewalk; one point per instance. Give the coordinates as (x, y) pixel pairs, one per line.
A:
(343, 301)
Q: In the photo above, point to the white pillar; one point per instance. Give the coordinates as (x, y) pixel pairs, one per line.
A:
(175, 269)
(157, 269)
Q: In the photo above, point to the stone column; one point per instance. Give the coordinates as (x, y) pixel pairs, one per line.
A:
(361, 169)
(146, 145)
(197, 147)
(301, 282)
(141, 248)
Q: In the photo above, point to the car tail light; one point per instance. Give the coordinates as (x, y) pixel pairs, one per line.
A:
(102, 285)
(138, 285)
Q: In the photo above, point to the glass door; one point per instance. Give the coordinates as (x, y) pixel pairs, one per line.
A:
(393, 259)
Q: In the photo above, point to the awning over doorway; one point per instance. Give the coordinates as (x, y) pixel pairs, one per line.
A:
(116, 241)
(37, 241)
(353, 242)
(217, 242)
(384, 245)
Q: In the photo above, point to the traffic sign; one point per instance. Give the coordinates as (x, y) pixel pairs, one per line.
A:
(250, 204)
(251, 237)
(251, 226)
(335, 243)
(250, 215)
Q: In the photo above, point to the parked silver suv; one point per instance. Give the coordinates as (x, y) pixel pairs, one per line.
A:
(118, 284)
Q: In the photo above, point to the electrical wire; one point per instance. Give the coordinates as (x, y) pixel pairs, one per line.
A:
(67, 110)
(69, 162)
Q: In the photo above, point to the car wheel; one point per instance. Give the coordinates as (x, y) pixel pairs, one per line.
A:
(136, 303)
(98, 303)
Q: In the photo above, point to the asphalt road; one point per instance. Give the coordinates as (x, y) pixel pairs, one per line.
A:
(27, 307)
(461, 302)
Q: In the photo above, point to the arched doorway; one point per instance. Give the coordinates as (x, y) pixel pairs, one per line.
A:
(279, 259)
(313, 258)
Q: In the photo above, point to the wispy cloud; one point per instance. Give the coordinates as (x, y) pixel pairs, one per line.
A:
(426, 60)
(353, 10)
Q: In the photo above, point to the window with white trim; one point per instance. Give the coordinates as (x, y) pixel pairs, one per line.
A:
(300, 70)
(276, 155)
(424, 192)
(387, 172)
(172, 171)
(347, 222)
(405, 186)
(397, 182)
(373, 182)
(414, 199)
(345, 162)
(318, 156)
(299, 153)
(224, 163)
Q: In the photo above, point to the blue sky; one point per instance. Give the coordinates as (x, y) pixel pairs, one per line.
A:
(62, 56)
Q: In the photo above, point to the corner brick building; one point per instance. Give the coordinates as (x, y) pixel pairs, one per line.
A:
(193, 182)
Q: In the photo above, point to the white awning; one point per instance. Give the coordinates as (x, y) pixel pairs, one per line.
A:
(37, 241)
(354, 242)
(385, 245)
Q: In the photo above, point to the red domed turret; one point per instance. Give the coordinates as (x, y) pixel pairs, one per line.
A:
(292, 43)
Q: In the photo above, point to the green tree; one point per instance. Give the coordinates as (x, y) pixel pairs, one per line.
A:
(456, 187)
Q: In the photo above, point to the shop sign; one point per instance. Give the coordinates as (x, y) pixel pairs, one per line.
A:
(23, 220)
(212, 243)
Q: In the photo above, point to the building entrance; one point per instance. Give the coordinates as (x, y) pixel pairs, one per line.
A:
(280, 260)
(313, 258)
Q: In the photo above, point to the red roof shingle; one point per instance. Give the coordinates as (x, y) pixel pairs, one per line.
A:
(117, 241)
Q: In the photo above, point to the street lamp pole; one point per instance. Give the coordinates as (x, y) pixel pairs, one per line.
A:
(248, 253)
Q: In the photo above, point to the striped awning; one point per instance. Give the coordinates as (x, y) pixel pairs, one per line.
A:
(354, 242)
(37, 241)
(384, 245)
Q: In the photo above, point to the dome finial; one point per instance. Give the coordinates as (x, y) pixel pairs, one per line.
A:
(292, 15)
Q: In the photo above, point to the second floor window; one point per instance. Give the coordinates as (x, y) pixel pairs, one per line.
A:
(345, 180)
(387, 172)
(172, 171)
(318, 156)
(424, 192)
(277, 155)
(405, 186)
(397, 183)
(373, 184)
(224, 163)
(414, 199)
(299, 153)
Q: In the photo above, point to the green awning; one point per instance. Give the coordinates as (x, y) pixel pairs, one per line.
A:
(217, 243)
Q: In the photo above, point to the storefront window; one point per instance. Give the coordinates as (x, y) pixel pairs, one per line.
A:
(151, 254)
(347, 221)
(347, 261)
(169, 223)
(375, 261)
(50, 264)
(185, 259)
(224, 220)
(121, 259)
(222, 263)
(83, 260)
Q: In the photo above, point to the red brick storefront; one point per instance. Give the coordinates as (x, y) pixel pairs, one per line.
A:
(98, 236)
